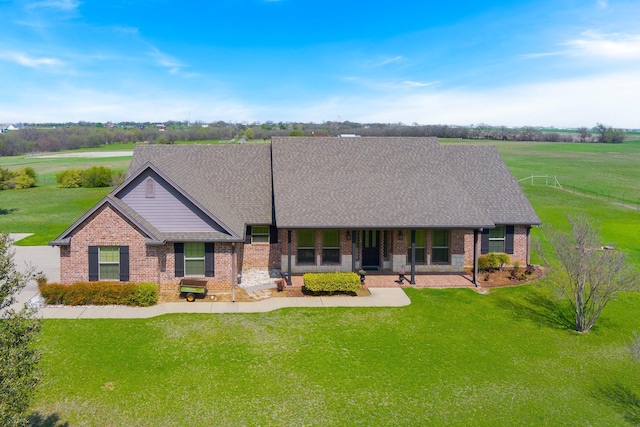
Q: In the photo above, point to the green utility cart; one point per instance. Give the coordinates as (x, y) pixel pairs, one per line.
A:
(190, 289)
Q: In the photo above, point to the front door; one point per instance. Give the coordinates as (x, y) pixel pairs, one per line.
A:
(371, 249)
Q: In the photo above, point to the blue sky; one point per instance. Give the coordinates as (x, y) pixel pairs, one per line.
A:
(564, 63)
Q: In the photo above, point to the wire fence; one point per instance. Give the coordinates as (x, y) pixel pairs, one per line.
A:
(623, 197)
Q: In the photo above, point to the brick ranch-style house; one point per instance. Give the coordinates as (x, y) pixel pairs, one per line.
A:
(299, 204)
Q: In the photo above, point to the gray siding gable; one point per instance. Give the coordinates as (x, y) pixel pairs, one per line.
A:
(164, 207)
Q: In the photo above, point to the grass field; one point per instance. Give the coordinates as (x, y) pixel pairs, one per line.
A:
(47, 210)
(453, 357)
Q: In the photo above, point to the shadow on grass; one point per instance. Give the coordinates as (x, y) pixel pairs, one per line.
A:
(539, 307)
(622, 398)
(37, 419)
(7, 211)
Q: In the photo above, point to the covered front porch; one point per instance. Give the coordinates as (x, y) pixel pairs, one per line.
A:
(381, 252)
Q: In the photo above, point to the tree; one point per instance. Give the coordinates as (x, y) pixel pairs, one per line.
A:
(584, 134)
(586, 274)
(608, 134)
(18, 331)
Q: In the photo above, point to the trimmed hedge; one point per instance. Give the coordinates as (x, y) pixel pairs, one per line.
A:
(101, 293)
(331, 282)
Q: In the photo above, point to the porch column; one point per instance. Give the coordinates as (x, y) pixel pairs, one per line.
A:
(476, 236)
(234, 273)
(353, 250)
(528, 260)
(413, 257)
(289, 257)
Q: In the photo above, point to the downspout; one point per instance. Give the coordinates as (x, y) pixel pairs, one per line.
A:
(476, 235)
(234, 273)
(413, 257)
(289, 257)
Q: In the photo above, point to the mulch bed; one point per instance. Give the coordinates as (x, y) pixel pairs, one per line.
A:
(498, 279)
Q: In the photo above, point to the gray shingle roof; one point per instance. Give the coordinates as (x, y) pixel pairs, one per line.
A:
(392, 183)
(233, 182)
(333, 183)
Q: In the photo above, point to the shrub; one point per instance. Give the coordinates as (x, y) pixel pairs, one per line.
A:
(29, 171)
(483, 263)
(6, 179)
(331, 282)
(100, 293)
(498, 260)
(22, 180)
(96, 176)
(70, 178)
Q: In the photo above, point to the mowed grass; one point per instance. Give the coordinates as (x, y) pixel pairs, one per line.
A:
(608, 170)
(47, 210)
(453, 357)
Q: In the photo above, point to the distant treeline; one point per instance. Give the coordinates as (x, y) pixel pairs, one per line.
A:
(56, 137)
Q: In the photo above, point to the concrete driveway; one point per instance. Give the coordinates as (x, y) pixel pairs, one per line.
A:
(45, 259)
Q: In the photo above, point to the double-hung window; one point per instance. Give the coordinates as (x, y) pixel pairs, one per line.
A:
(440, 246)
(260, 234)
(306, 246)
(109, 263)
(497, 238)
(330, 247)
(194, 259)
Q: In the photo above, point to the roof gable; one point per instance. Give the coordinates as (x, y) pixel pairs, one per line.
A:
(231, 181)
(143, 227)
(166, 207)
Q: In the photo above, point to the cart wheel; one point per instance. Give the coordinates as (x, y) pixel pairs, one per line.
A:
(191, 297)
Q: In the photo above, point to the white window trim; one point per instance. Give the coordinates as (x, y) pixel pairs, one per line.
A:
(202, 258)
(254, 234)
(101, 263)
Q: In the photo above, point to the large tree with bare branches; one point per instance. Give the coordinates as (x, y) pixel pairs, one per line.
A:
(584, 272)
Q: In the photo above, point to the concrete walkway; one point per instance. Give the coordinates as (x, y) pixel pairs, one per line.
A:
(380, 297)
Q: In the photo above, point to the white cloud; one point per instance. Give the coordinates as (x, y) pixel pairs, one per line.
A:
(609, 98)
(603, 4)
(27, 61)
(414, 84)
(55, 4)
(595, 44)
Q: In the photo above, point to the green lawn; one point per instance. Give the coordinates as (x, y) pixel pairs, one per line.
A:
(453, 357)
(47, 210)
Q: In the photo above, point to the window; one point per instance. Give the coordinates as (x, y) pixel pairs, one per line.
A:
(194, 259)
(306, 246)
(496, 239)
(330, 247)
(150, 188)
(260, 234)
(440, 246)
(419, 246)
(109, 263)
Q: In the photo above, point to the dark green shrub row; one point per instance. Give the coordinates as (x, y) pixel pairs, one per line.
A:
(331, 282)
(101, 293)
(95, 176)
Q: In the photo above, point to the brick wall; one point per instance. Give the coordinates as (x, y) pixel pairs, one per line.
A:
(106, 227)
(259, 255)
(520, 246)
